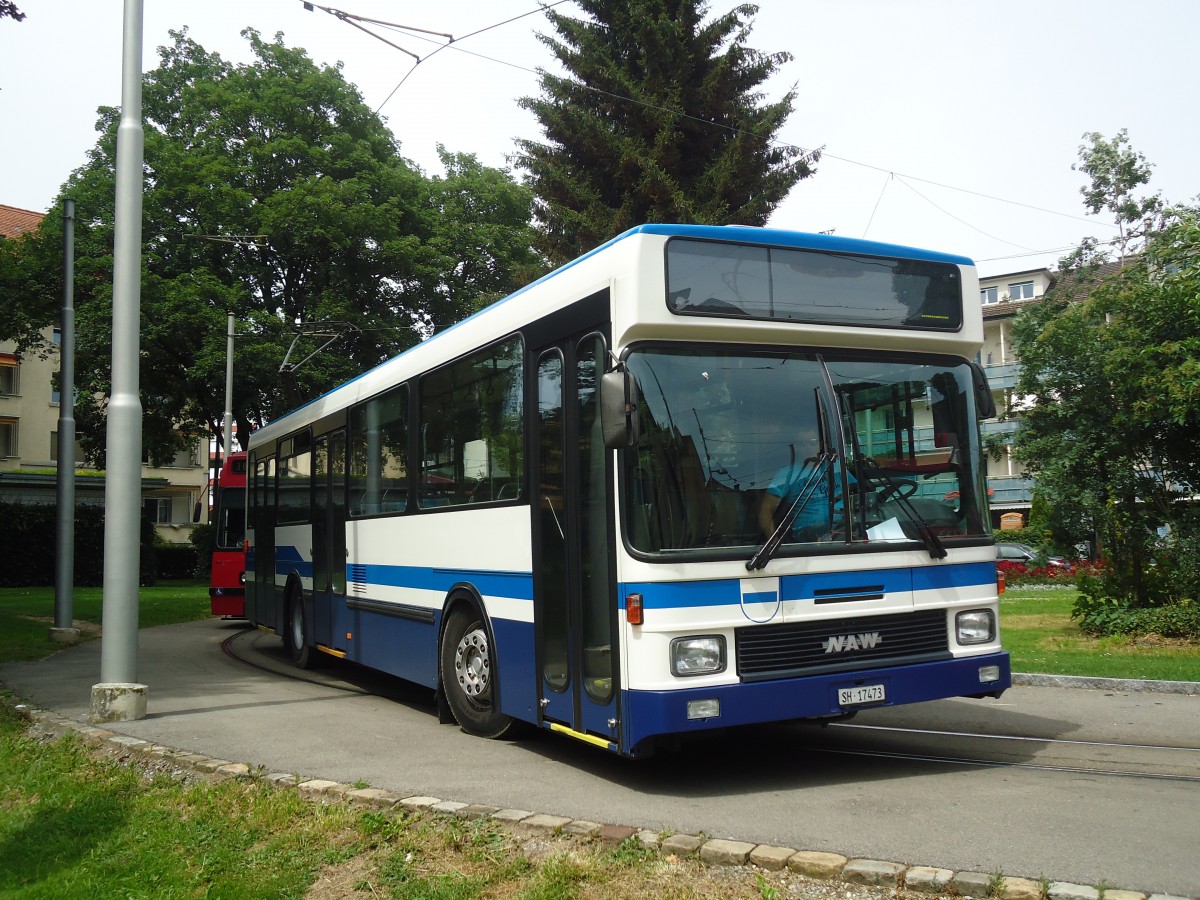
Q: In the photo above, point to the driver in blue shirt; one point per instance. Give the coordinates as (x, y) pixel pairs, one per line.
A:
(813, 522)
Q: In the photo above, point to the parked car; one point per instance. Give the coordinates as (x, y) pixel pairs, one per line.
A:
(1023, 553)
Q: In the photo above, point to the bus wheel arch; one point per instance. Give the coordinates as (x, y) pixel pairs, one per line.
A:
(297, 627)
(467, 668)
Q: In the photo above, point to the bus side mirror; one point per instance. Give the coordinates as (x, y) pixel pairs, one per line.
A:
(619, 415)
(985, 403)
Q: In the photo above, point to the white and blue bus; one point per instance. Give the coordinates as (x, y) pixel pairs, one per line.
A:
(699, 478)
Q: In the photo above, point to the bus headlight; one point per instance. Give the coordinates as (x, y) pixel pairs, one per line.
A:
(698, 655)
(975, 626)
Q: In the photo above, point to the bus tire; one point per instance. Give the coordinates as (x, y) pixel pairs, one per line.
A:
(296, 633)
(468, 670)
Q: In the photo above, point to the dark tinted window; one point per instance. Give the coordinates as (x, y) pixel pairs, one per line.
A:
(743, 281)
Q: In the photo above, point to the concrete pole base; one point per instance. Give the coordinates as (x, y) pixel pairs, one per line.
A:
(118, 702)
(64, 635)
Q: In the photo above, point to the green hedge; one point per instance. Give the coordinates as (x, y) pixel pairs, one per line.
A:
(31, 539)
(175, 561)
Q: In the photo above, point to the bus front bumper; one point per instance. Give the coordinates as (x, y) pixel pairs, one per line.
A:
(647, 715)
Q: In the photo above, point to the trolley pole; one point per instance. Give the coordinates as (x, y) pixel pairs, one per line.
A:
(64, 630)
(228, 436)
(118, 696)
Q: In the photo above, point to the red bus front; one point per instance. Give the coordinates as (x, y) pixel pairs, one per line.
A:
(227, 585)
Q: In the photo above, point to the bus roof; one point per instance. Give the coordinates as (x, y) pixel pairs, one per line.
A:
(747, 234)
(796, 239)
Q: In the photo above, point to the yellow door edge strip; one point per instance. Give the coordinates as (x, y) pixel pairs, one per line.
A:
(580, 736)
(267, 629)
(340, 654)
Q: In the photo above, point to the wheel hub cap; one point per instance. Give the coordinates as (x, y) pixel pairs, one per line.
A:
(472, 663)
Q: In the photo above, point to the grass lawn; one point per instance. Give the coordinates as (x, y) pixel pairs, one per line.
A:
(76, 824)
(27, 614)
(1037, 630)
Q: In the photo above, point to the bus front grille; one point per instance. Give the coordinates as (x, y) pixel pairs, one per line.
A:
(832, 645)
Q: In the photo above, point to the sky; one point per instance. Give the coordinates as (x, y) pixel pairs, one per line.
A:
(946, 124)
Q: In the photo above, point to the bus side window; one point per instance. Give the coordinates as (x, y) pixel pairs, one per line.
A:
(379, 454)
(472, 435)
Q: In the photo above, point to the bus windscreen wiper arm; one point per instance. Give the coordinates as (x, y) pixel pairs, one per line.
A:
(768, 550)
(931, 541)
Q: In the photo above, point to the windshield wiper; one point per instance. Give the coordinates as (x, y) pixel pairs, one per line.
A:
(931, 541)
(768, 550)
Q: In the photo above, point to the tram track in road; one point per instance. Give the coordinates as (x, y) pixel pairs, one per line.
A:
(1029, 752)
(264, 663)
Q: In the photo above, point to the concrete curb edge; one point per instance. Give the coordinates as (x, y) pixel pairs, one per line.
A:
(1123, 685)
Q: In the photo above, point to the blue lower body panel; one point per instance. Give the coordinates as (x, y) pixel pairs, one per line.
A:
(649, 714)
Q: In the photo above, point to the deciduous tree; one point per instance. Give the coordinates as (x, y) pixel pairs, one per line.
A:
(1111, 362)
(274, 192)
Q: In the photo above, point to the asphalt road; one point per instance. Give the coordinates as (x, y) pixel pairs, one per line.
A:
(1083, 800)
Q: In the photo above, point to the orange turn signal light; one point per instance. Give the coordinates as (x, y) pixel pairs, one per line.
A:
(633, 609)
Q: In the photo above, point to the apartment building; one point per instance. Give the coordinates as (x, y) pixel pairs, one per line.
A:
(172, 490)
(1001, 297)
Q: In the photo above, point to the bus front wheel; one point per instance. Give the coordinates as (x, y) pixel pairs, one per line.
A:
(468, 666)
(296, 634)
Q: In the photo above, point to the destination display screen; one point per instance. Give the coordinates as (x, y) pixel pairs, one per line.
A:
(710, 278)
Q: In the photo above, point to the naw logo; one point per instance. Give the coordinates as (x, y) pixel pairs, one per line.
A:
(846, 643)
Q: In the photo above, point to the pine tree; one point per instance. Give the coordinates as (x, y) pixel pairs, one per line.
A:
(659, 120)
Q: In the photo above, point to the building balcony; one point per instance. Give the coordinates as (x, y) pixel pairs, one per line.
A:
(1003, 378)
(1010, 491)
(1006, 428)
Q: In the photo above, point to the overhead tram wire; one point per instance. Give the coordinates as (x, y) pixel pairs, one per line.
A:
(962, 221)
(354, 19)
(1067, 249)
(346, 17)
(878, 200)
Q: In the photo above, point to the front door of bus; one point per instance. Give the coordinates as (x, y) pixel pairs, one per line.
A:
(329, 533)
(574, 612)
(260, 602)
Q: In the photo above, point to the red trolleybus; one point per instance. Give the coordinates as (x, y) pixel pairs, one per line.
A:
(227, 586)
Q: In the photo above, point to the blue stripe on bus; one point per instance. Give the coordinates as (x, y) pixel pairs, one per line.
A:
(288, 560)
(727, 592)
(939, 578)
(513, 585)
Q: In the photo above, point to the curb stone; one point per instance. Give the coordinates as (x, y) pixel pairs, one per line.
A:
(874, 872)
(716, 852)
(681, 844)
(972, 884)
(1063, 890)
(1122, 685)
(927, 880)
(1019, 889)
(814, 864)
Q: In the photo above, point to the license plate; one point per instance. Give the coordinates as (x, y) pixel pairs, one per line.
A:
(865, 693)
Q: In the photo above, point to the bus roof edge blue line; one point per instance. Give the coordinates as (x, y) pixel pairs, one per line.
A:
(799, 240)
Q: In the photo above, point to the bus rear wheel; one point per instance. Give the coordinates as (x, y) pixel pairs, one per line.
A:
(468, 668)
(296, 635)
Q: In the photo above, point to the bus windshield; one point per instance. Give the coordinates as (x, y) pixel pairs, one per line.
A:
(231, 518)
(835, 450)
